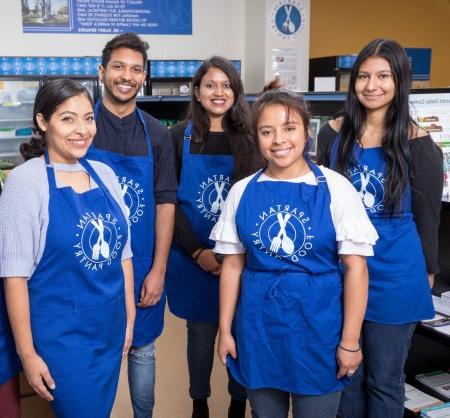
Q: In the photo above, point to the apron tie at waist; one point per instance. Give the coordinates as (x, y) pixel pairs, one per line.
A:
(272, 292)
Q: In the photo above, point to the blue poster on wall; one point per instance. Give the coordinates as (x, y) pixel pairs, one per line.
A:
(154, 17)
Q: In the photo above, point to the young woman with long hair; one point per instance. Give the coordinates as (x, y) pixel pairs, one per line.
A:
(397, 170)
(214, 147)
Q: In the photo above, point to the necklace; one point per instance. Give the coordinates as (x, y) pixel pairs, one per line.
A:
(302, 171)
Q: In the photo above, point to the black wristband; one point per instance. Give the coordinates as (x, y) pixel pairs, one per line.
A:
(198, 254)
(350, 351)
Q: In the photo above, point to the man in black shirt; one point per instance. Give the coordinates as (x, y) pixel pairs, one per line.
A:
(139, 149)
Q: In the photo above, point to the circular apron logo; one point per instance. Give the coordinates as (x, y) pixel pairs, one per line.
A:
(133, 194)
(99, 240)
(212, 195)
(283, 232)
(369, 186)
(288, 19)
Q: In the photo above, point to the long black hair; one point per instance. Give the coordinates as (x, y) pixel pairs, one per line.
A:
(236, 122)
(48, 98)
(397, 121)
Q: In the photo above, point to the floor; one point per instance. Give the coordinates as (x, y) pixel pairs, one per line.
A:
(172, 398)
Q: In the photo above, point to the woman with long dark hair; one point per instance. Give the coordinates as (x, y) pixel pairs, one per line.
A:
(213, 147)
(397, 170)
(66, 259)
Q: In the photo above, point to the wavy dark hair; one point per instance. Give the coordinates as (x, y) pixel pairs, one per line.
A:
(236, 122)
(48, 98)
(128, 40)
(397, 121)
(274, 94)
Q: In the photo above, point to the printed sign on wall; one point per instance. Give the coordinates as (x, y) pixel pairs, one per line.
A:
(288, 19)
(156, 17)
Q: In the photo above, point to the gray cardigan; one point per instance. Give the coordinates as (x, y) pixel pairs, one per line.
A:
(24, 214)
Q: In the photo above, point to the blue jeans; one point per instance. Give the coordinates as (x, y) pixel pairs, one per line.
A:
(274, 403)
(377, 388)
(141, 379)
(200, 356)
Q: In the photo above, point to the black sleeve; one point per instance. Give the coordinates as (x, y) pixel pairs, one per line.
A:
(427, 181)
(325, 139)
(183, 234)
(177, 135)
(165, 179)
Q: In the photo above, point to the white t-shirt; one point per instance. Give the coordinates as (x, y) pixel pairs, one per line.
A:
(355, 233)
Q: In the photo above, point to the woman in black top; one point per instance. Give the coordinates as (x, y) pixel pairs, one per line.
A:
(397, 169)
(214, 147)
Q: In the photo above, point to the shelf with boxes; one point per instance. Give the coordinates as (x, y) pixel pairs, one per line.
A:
(20, 79)
(174, 77)
(170, 109)
(333, 73)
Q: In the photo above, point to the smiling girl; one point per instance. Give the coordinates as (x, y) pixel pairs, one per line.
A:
(397, 170)
(284, 230)
(66, 259)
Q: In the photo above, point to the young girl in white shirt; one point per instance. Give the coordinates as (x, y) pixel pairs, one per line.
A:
(287, 233)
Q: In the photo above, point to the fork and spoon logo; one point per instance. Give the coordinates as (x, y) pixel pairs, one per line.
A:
(101, 246)
(288, 19)
(99, 240)
(282, 239)
(132, 193)
(213, 193)
(284, 234)
(370, 189)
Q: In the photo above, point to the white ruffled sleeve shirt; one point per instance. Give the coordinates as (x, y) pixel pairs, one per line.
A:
(355, 233)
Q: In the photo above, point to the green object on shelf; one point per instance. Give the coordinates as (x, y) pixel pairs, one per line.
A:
(5, 165)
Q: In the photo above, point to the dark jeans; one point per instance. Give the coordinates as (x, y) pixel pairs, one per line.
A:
(10, 398)
(200, 355)
(273, 403)
(377, 388)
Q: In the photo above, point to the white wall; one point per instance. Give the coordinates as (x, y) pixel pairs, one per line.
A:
(217, 26)
(220, 27)
(255, 45)
(300, 44)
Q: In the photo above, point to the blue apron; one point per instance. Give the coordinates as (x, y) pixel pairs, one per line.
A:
(135, 175)
(193, 293)
(399, 292)
(77, 306)
(288, 320)
(10, 363)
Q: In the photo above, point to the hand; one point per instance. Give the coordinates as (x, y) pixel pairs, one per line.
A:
(151, 289)
(431, 280)
(348, 362)
(37, 373)
(226, 346)
(128, 340)
(207, 261)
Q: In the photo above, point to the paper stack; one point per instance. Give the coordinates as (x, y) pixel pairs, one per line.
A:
(415, 400)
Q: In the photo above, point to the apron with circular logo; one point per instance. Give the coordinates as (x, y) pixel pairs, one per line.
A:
(77, 304)
(135, 175)
(193, 293)
(288, 320)
(399, 292)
